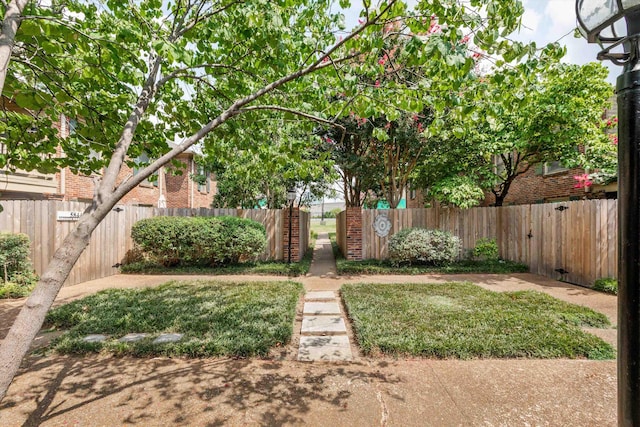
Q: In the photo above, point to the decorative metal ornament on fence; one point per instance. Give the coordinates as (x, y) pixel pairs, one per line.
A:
(382, 225)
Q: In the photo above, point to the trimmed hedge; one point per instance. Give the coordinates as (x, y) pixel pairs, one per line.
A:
(16, 272)
(199, 241)
(422, 246)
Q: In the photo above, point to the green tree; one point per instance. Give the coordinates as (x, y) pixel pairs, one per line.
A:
(136, 75)
(554, 112)
(257, 167)
(535, 112)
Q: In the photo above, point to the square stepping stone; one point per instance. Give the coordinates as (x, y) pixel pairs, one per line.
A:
(330, 349)
(321, 308)
(319, 295)
(94, 338)
(132, 337)
(168, 338)
(326, 324)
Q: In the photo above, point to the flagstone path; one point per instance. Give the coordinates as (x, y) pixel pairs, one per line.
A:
(323, 336)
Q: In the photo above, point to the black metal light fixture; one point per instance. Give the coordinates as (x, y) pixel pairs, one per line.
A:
(615, 26)
(291, 197)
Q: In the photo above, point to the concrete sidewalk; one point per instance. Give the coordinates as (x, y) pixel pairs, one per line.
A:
(106, 391)
(109, 391)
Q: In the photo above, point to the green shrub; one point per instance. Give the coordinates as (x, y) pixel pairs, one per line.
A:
(193, 241)
(422, 246)
(16, 272)
(486, 249)
(606, 284)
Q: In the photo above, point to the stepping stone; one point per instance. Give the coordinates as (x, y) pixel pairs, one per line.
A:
(330, 349)
(323, 324)
(321, 308)
(94, 338)
(316, 295)
(132, 337)
(168, 338)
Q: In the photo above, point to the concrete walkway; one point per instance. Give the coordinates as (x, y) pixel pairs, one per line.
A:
(96, 390)
(323, 334)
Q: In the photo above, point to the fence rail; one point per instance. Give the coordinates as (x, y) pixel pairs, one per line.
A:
(112, 238)
(579, 237)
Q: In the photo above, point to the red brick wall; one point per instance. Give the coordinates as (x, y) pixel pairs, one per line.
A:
(178, 186)
(296, 254)
(354, 234)
(532, 187)
(180, 191)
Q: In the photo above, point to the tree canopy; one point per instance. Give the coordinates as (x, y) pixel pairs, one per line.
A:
(535, 112)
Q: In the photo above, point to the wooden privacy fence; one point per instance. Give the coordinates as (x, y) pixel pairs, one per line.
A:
(112, 239)
(579, 238)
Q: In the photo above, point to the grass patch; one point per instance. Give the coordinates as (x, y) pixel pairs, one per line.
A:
(373, 266)
(608, 285)
(261, 268)
(14, 290)
(461, 320)
(216, 318)
(329, 225)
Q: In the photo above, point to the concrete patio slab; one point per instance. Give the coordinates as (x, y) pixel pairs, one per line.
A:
(323, 324)
(321, 308)
(94, 338)
(320, 295)
(168, 338)
(133, 337)
(328, 348)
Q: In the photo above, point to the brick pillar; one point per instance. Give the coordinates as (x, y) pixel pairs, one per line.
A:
(295, 235)
(354, 234)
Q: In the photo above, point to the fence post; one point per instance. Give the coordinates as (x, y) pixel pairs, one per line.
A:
(354, 233)
(295, 235)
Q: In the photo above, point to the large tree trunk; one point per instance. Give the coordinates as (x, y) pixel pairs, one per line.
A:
(26, 326)
(10, 26)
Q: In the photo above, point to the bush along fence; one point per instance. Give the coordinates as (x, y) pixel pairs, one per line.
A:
(47, 223)
(572, 241)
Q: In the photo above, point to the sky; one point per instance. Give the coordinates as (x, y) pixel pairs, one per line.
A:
(544, 21)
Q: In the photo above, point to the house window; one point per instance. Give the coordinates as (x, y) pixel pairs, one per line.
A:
(551, 168)
(143, 160)
(204, 180)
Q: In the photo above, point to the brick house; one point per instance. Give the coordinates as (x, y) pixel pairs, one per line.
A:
(542, 184)
(170, 189)
(545, 183)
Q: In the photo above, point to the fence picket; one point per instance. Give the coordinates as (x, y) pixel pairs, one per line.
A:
(581, 239)
(112, 238)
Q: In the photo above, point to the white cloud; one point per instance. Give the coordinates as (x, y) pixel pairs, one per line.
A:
(561, 13)
(530, 21)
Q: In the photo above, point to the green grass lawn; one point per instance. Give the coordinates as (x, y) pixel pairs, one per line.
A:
(461, 320)
(216, 318)
(373, 266)
(329, 225)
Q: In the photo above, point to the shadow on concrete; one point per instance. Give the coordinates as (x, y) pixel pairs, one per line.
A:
(166, 391)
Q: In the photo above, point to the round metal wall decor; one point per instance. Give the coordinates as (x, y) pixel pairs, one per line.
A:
(382, 225)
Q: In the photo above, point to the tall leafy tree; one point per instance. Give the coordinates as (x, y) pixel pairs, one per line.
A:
(138, 74)
(555, 112)
(535, 112)
(260, 170)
